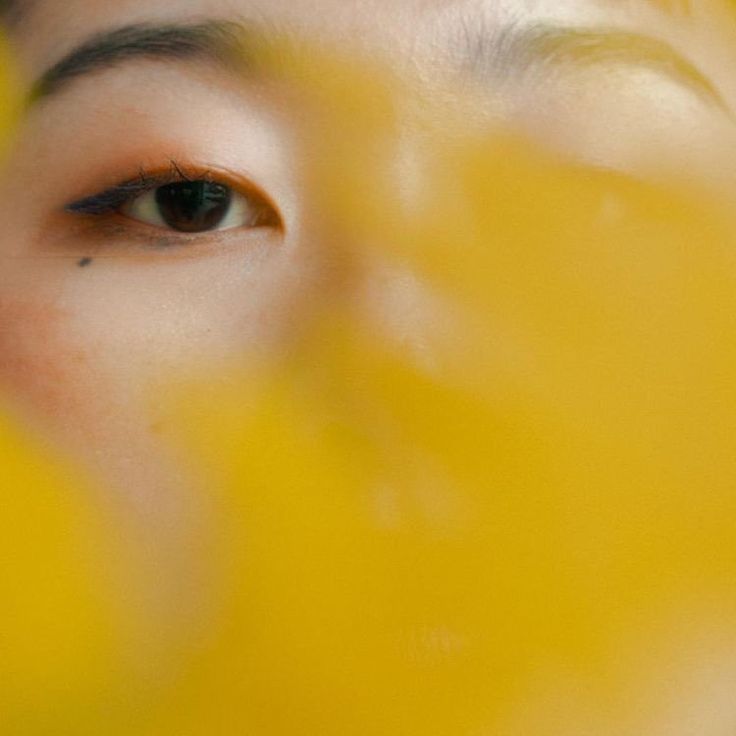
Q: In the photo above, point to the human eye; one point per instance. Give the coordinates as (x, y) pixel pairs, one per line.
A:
(181, 201)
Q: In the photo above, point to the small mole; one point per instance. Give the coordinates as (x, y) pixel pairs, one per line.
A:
(84, 262)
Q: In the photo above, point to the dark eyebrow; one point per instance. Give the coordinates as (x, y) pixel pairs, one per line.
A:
(218, 41)
(13, 11)
(512, 52)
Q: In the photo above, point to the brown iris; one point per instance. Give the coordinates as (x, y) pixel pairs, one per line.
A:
(193, 206)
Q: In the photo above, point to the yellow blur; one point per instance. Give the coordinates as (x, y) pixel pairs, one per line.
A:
(532, 533)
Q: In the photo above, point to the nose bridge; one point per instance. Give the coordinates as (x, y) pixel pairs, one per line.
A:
(380, 286)
(368, 178)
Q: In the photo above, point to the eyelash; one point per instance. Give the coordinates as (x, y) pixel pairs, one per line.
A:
(110, 201)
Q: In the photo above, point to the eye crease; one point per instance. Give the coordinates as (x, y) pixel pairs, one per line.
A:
(179, 202)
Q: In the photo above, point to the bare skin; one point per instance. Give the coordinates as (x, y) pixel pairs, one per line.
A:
(96, 312)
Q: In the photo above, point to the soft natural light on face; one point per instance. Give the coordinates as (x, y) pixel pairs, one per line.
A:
(362, 391)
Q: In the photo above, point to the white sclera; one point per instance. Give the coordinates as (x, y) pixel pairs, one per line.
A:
(145, 208)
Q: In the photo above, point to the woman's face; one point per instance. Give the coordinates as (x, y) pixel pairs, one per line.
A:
(107, 293)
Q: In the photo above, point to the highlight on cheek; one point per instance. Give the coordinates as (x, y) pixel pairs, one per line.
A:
(525, 528)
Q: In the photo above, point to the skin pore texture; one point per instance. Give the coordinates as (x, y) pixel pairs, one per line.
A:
(95, 313)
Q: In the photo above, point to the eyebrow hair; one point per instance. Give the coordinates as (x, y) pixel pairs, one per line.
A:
(219, 41)
(502, 54)
(516, 52)
(13, 11)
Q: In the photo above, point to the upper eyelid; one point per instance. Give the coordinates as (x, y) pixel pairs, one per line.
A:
(112, 198)
(108, 200)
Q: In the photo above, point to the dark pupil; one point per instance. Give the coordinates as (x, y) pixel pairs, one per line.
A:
(193, 206)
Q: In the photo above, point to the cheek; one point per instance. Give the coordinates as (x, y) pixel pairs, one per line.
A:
(59, 379)
(40, 365)
(152, 503)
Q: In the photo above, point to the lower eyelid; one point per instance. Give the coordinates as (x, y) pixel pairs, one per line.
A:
(114, 237)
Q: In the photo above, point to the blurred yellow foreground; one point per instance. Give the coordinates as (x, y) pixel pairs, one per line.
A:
(530, 532)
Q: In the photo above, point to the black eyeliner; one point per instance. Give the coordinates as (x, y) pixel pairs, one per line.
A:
(112, 199)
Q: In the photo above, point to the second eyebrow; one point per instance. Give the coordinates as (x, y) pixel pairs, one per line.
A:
(527, 50)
